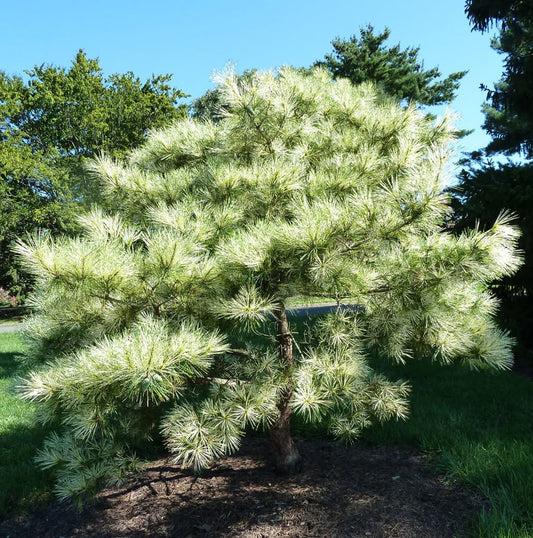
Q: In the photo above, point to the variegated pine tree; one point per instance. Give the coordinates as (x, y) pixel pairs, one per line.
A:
(307, 186)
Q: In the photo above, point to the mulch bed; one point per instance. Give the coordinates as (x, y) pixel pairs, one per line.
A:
(342, 492)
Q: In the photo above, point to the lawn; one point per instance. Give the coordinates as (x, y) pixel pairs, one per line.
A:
(10, 321)
(20, 436)
(477, 427)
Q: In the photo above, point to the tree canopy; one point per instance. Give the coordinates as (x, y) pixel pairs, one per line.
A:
(306, 186)
(399, 73)
(484, 187)
(51, 120)
(509, 111)
(485, 13)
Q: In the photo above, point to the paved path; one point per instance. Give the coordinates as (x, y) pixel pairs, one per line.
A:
(294, 312)
(10, 328)
(313, 310)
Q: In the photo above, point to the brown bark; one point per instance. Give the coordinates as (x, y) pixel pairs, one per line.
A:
(286, 454)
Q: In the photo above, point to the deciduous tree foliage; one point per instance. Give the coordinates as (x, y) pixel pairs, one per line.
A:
(50, 122)
(399, 73)
(306, 186)
(28, 200)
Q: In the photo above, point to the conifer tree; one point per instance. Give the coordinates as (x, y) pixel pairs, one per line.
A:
(509, 107)
(306, 186)
(399, 73)
(485, 186)
(368, 58)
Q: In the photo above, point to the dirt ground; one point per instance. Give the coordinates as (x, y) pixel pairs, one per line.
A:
(342, 492)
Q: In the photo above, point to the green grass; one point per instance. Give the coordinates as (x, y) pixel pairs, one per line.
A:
(477, 426)
(22, 483)
(16, 320)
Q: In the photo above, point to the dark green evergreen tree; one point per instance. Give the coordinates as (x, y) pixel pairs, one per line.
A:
(509, 110)
(485, 188)
(399, 73)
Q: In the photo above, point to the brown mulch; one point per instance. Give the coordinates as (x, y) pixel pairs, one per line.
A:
(342, 492)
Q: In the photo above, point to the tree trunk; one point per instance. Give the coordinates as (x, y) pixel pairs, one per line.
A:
(286, 454)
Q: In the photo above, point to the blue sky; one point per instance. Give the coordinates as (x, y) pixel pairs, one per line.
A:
(193, 39)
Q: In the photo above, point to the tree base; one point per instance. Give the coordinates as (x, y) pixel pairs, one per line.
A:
(287, 459)
(291, 464)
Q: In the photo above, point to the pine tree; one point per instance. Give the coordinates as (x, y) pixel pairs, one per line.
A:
(399, 73)
(367, 58)
(509, 107)
(307, 186)
(485, 186)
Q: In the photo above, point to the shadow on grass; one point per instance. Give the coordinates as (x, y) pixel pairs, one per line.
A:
(451, 400)
(11, 355)
(24, 484)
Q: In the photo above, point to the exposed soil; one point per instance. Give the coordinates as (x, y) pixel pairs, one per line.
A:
(342, 492)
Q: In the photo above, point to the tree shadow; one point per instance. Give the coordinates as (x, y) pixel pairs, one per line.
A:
(22, 481)
(9, 364)
(342, 492)
(451, 404)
